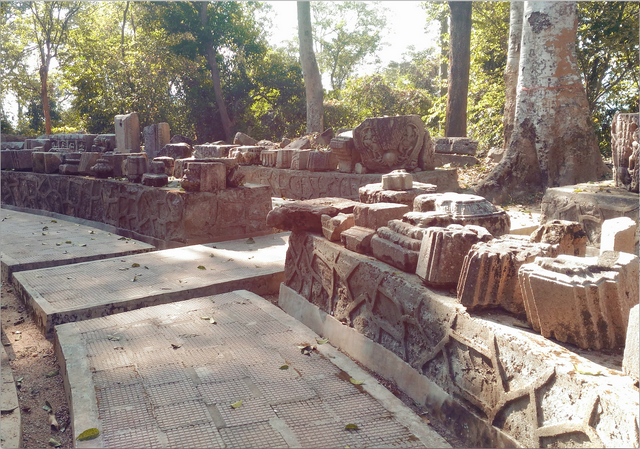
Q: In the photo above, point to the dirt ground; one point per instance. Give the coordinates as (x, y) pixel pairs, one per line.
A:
(32, 360)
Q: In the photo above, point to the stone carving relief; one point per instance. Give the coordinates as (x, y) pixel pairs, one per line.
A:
(625, 136)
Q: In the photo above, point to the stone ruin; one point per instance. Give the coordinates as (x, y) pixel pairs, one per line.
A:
(464, 316)
(625, 138)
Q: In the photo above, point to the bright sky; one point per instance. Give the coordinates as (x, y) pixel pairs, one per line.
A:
(405, 26)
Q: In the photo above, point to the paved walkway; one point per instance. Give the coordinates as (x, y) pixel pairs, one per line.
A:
(163, 376)
(32, 241)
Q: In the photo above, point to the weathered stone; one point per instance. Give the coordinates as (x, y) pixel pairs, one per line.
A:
(180, 165)
(306, 215)
(322, 140)
(192, 177)
(37, 161)
(20, 159)
(584, 301)
(285, 141)
(630, 361)
(104, 143)
(589, 205)
(360, 169)
(103, 168)
(168, 163)
(176, 150)
(455, 160)
(156, 167)
(68, 169)
(116, 160)
(387, 143)
(127, 133)
(393, 254)
(247, 155)
(283, 158)
(465, 210)
(71, 142)
(489, 276)
(213, 176)
(428, 219)
(319, 161)
(156, 136)
(269, 158)
(88, 160)
(624, 149)
(6, 161)
(443, 251)
(569, 237)
(399, 238)
(134, 167)
(619, 234)
(455, 145)
(332, 227)
(267, 144)
(358, 239)
(243, 139)
(155, 179)
(496, 154)
(413, 232)
(177, 138)
(208, 150)
(30, 144)
(300, 159)
(301, 143)
(52, 161)
(397, 180)
(374, 216)
(344, 149)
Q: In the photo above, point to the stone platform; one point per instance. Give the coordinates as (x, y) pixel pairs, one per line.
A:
(304, 185)
(31, 241)
(488, 378)
(590, 204)
(94, 289)
(164, 217)
(164, 377)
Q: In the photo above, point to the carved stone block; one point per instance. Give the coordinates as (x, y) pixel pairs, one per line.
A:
(332, 227)
(21, 160)
(625, 136)
(411, 231)
(127, 133)
(283, 158)
(156, 167)
(68, 169)
(156, 136)
(269, 158)
(155, 179)
(320, 161)
(344, 149)
(358, 239)
(397, 180)
(374, 216)
(398, 238)
(103, 168)
(307, 215)
(37, 161)
(134, 167)
(247, 155)
(180, 150)
(630, 361)
(213, 176)
(244, 139)
(443, 251)
(455, 145)
(168, 163)
(619, 234)
(393, 254)
(300, 159)
(569, 237)
(52, 161)
(489, 276)
(209, 150)
(376, 193)
(103, 143)
(584, 301)
(116, 160)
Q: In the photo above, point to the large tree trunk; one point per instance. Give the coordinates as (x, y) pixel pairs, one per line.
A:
(310, 72)
(511, 70)
(44, 96)
(459, 60)
(215, 76)
(553, 143)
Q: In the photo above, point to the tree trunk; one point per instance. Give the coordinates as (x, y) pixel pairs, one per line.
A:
(44, 96)
(310, 72)
(553, 142)
(444, 50)
(511, 70)
(459, 60)
(215, 76)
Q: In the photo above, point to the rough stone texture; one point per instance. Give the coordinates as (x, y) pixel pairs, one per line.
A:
(155, 180)
(180, 150)
(569, 237)
(88, 160)
(630, 361)
(156, 167)
(103, 143)
(177, 138)
(117, 162)
(489, 276)
(303, 185)
(243, 139)
(127, 133)
(37, 161)
(492, 383)
(269, 158)
(30, 144)
(455, 160)
(584, 301)
(247, 155)
(212, 150)
(168, 163)
(455, 145)
(332, 227)
(301, 143)
(443, 252)
(375, 193)
(192, 177)
(319, 161)
(358, 239)
(69, 142)
(344, 149)
(300, 159)
(395, 255)
(397, 180)
(52, 161)
(213, 176)
(625, 136)
(496, 154)
(68, 169)
(619, 234)
(156, 136)
(283, 158)
(406, 229)
(374, 216)
(465, 210)
(168, 215)
(398, 238)
(307, 215)
(134, 167)
(103, 168)
(387, 143)
(21, 159)
(590, 205)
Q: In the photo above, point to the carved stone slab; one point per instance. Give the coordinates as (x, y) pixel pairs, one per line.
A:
(624, 148)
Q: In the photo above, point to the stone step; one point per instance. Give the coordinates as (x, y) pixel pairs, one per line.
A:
(93, 289)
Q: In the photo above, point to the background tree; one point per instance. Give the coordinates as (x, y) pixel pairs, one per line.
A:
(310, 71)
(511, 70)
(459, 61)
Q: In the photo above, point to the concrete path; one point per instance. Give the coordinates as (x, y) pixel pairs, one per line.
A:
(11, 420)
(31, 241)
(93, 289)
(163, 376)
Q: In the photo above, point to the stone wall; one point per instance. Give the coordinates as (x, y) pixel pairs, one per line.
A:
(167, 216)
(502, 386)
(304, 185)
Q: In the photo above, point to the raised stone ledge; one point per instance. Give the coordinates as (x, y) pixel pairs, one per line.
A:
(492, 383)
(166, 217)
(304, 185)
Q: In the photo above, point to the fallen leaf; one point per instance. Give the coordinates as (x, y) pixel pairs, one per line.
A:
(135, 265)
(521, 324)
(47, 407)
(113, 338)
(284, 367)
(19, 321)
(58, 244)
(88, 434)
(53, 373)
(91, 232)
(356, 382)
(54, 443)
(210, 318)
(175, 346)
(146, 267)
(135, 278)
(53, 221)
(212, 255)
(188, 336)
(237, 404)
(584, 369)
(20, 379)
(19, 337)
(250, 241)
(84, 244)
(322, 341)
(68, 241)
(53, 422)
(425, 419)
(201, 267)
(45, 228)
(123, 269)
(351, 427)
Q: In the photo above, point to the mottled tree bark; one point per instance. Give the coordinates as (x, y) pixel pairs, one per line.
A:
(310, 71)
(511, 70)
(553, 142)
(459, 63)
